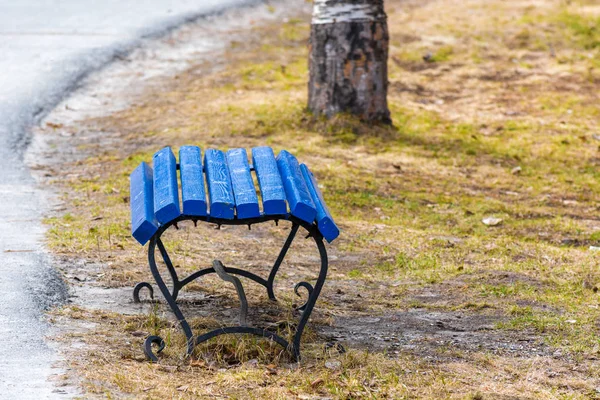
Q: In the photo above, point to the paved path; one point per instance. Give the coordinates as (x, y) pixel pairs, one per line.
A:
(46, 47)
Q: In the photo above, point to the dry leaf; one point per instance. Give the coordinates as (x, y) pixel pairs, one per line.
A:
(271, 369)
(197, 363)
(316, 383)
(167, 368)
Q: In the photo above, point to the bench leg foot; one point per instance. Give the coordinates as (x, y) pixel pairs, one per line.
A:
(150, 340)
(140, 286)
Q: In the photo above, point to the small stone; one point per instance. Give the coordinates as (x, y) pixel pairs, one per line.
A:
(594, 248)
(449, 240)
(571, 321)
(492, 221)
(333, 364)
(557, 353)
(516, 170)
(369, 320)
(252, 363)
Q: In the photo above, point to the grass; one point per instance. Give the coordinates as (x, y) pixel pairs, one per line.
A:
(501, 123)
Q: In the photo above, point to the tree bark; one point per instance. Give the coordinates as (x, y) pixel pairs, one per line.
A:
(348, 59)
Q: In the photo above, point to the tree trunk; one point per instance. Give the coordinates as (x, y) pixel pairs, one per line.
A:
(348, 59)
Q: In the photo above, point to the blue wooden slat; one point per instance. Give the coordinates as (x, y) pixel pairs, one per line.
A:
(325, 223)
(166, 193)
(244, 193)
(143, 222)
(296, 191)
(219, 184)
(269, 181)
(192, 181)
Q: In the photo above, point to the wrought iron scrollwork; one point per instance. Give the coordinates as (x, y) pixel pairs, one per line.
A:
(150, 340)
(227, 273)
(140, 286)
(309, 288)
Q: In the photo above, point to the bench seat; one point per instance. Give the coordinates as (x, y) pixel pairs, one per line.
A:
(285, 186)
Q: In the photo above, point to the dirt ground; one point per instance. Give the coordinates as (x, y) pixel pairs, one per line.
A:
(495, 114)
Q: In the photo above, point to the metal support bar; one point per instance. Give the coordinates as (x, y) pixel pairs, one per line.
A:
(312, 298)
(167, 295)
(170, 267)
(280, 257)
(220, 269)
(229, 270)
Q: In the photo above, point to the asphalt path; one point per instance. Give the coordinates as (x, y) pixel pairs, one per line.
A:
(46, 48)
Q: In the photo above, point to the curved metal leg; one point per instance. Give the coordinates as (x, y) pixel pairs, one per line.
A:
(312, 298)
(165, 256)
(280, 257)
(167, 295)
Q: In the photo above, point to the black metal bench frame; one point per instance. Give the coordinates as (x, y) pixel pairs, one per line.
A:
(227, 274)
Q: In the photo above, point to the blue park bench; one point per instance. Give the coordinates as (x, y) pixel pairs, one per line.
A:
(288, 190)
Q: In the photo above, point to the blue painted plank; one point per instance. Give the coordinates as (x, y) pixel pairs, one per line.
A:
(166, 193)
(325, 223)
(192, 181)
(296, 191)
(244, 193)
(143, 222)
(219, 184)
(269, 181)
